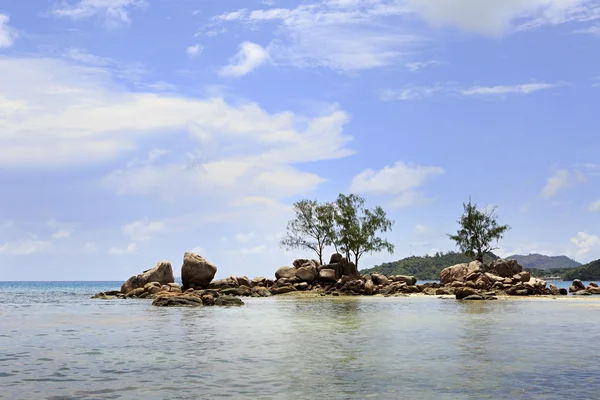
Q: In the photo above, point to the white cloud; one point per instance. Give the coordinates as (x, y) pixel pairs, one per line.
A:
(84, 57)
(561, 180)
(195, 50)
(340, 35)
(90, 247)
(418, 65)
(25, 247)
(114, 12)
(594, 206)
(498, 17)
(144, 229)
(400, 180)
(7, 34)
(502, 90)
(452, 89)
(260, 249)
(62, 230)
(249, 57)
(57, 114)
(118, 251)
(201, 251)
(163, 86)
(585, 243)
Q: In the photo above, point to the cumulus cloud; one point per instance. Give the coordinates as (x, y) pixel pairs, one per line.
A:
(249, 57)
(114, 13)
(195, 50)
(561, 180)
(418, 65)
(400, 180)
(7, 34)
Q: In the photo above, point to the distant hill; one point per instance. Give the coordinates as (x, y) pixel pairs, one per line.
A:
(587, 272)
(424, 268)
(539, 261)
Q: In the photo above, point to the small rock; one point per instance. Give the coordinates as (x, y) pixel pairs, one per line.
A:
(228, 301)
(474, 297)
(177, 301)
(283, 290)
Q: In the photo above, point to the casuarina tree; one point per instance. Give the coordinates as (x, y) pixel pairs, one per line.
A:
(478, 231)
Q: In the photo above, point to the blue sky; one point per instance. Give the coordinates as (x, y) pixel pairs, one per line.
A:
(132, 131)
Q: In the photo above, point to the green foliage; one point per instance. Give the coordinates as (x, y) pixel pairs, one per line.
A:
(425, 268)
(345, 224)
(357, 228)
(587, 272)
(479, 229)
(312, 228)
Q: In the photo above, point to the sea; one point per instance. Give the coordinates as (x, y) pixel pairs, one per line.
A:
(57, 343)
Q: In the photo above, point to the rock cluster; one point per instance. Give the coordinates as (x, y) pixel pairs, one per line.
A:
(474, 281)
(579, 289)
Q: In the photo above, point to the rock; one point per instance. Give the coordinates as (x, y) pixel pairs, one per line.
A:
(474, 297)
(241, 291)
(196, 272)
(177, 301)
(327, 275)
(462, 293)
(135, 292)
(154, 289)
(282, 290)
(149, 285)
(380, 279)
(369, 288)
(244, 281)
(593, 290)
(563, 292)
(336, 258)
(302, 286)
(285, 272)
(494, 278)
(161, 273)
(307, 274)
(554, 290)
(409, 280)
(220, 284)
(582, 293)
(102, 296)
(258, 281)
(228, 301)
(577, 284)
(525, 276)
(459, 272)
(263, 292)
(505, 268)
(593, 284)
(208, 300)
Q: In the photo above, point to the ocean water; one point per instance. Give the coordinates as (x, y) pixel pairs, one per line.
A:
(56, 343)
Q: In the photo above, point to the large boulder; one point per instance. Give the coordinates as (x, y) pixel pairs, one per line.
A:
(459, 272)
(161, 273)
(578, 285)
(307, 274)
(342, 268)
(336, 258)
(327, 275)
(285, 272)
(196, 272)
(409, 280)
(506, 268)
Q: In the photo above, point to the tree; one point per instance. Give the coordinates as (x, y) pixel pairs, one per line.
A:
(312, 228)
(356, 228)
(479, 229)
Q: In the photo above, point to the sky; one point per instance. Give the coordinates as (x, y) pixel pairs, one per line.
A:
(132, 131)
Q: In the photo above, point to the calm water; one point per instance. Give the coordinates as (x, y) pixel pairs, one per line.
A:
(55, 343)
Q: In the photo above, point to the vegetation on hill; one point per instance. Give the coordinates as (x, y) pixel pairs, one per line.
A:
(542, 262)
(587, 272)
(425, 268)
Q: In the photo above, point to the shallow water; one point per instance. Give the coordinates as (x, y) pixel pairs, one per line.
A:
(56, 343)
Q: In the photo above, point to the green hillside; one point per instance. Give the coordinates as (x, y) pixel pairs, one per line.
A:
(587, 272)
(539, 261)
(424, 268)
